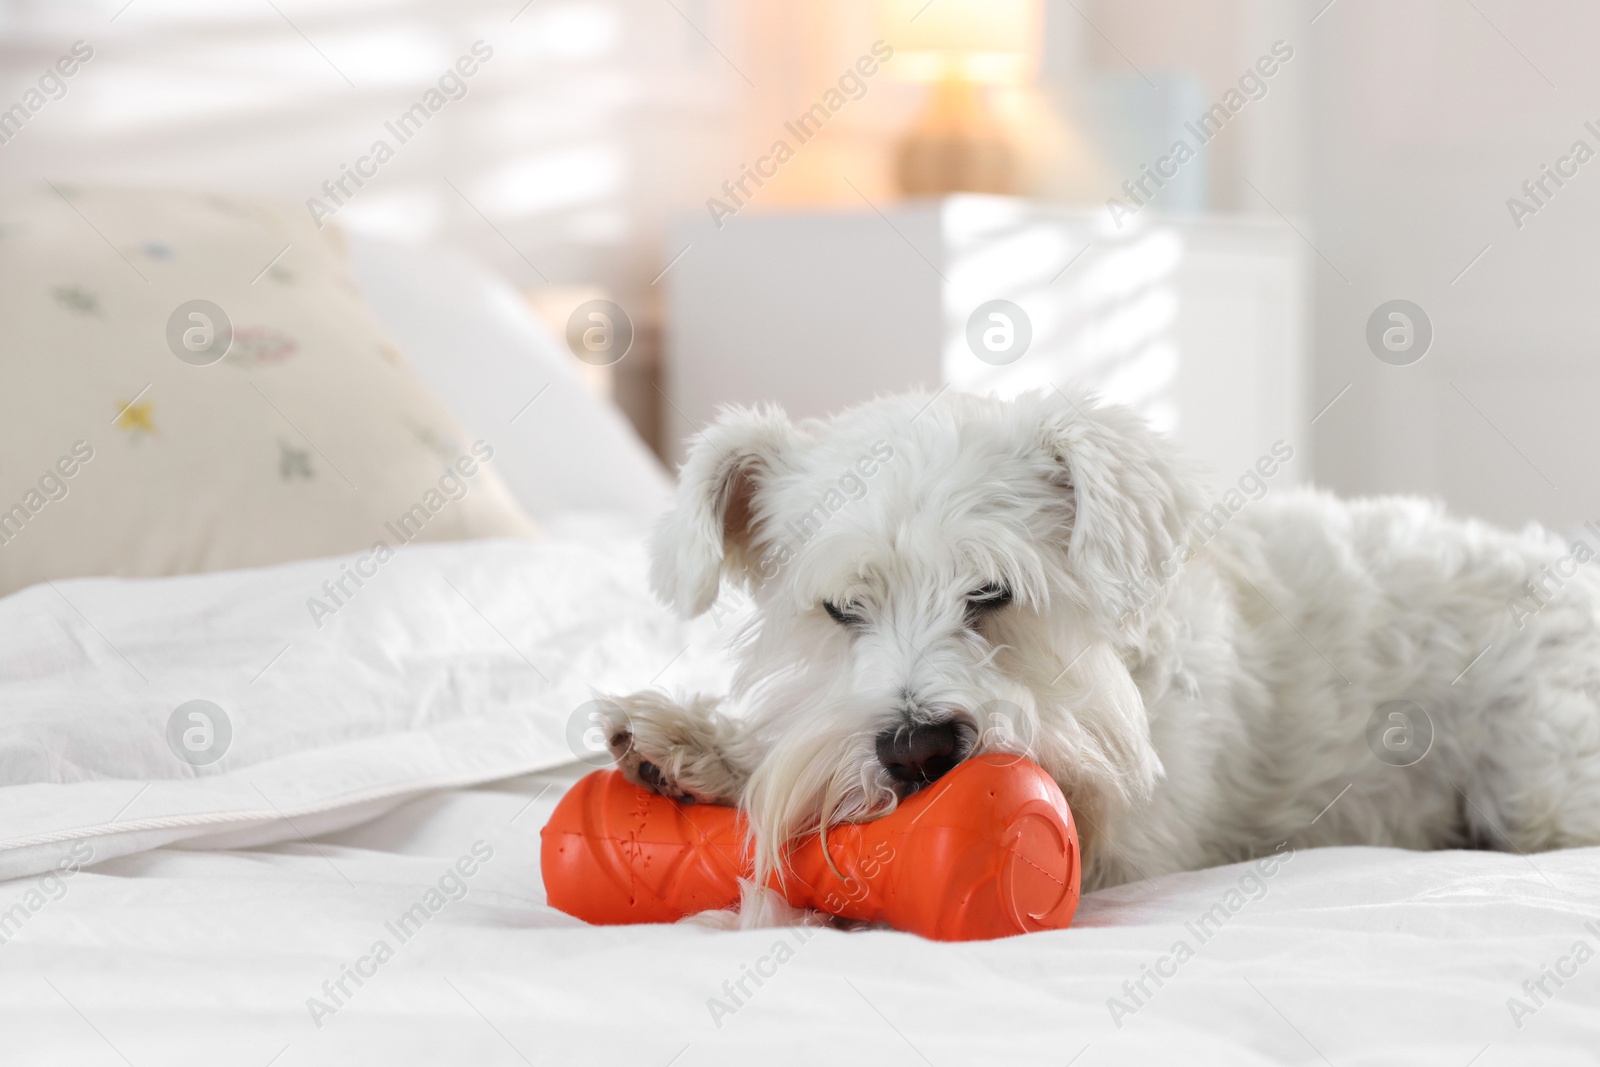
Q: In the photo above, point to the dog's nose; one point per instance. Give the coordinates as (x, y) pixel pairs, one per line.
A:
(919, 753)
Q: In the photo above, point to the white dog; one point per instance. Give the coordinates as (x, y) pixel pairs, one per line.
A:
(1205, 681)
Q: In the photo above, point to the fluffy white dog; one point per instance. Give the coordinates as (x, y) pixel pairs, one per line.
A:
(936, 578)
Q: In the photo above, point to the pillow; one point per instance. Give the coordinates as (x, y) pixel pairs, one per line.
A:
(473, 339)
(194, 383)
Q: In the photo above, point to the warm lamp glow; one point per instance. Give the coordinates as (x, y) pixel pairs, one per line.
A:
(960, 46)
(984, 42)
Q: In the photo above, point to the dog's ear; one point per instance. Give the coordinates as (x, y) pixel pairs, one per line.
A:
(713, 518)
(1133, 499)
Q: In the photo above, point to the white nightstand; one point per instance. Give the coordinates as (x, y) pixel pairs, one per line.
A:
(1198, 323)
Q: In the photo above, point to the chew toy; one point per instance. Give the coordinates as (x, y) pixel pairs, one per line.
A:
(987, 851)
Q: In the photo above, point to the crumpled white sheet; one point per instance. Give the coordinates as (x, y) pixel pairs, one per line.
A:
(162, 955)
(451, 664)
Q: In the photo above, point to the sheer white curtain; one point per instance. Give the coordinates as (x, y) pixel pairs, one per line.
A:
(592, 122)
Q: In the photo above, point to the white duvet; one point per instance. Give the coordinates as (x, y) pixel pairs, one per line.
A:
(355, 881)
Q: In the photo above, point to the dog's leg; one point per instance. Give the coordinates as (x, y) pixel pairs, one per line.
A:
(677, 750)
(1541, 788)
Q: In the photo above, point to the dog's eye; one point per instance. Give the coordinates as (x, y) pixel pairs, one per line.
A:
(991, 597)
(847, 615)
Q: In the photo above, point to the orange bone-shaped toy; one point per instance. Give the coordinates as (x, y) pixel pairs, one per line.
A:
(987, 851)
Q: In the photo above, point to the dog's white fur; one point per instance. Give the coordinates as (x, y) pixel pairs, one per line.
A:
(1190, 720)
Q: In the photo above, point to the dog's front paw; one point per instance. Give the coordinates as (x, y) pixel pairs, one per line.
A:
(645, 772)
(670, 749)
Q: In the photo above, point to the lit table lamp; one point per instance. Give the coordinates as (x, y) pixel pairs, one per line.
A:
(960, 48)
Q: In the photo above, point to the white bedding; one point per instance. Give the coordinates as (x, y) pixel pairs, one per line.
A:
(169, 949)
(450, 664)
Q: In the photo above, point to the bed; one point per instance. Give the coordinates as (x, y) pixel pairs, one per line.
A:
(218, 913)
(233, 833)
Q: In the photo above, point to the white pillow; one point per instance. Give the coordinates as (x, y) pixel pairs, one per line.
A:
(123, 451)
(472, 338)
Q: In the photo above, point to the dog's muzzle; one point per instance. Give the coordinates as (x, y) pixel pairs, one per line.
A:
(915, 754)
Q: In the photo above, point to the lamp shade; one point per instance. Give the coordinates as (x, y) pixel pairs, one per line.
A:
(986, 42)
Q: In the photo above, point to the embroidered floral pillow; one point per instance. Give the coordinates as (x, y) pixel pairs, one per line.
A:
(191, 383)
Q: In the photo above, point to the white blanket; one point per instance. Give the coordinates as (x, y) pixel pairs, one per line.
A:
(418, 934)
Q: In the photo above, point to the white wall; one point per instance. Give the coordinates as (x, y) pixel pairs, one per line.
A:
(1428, 119)
(1394, 145)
